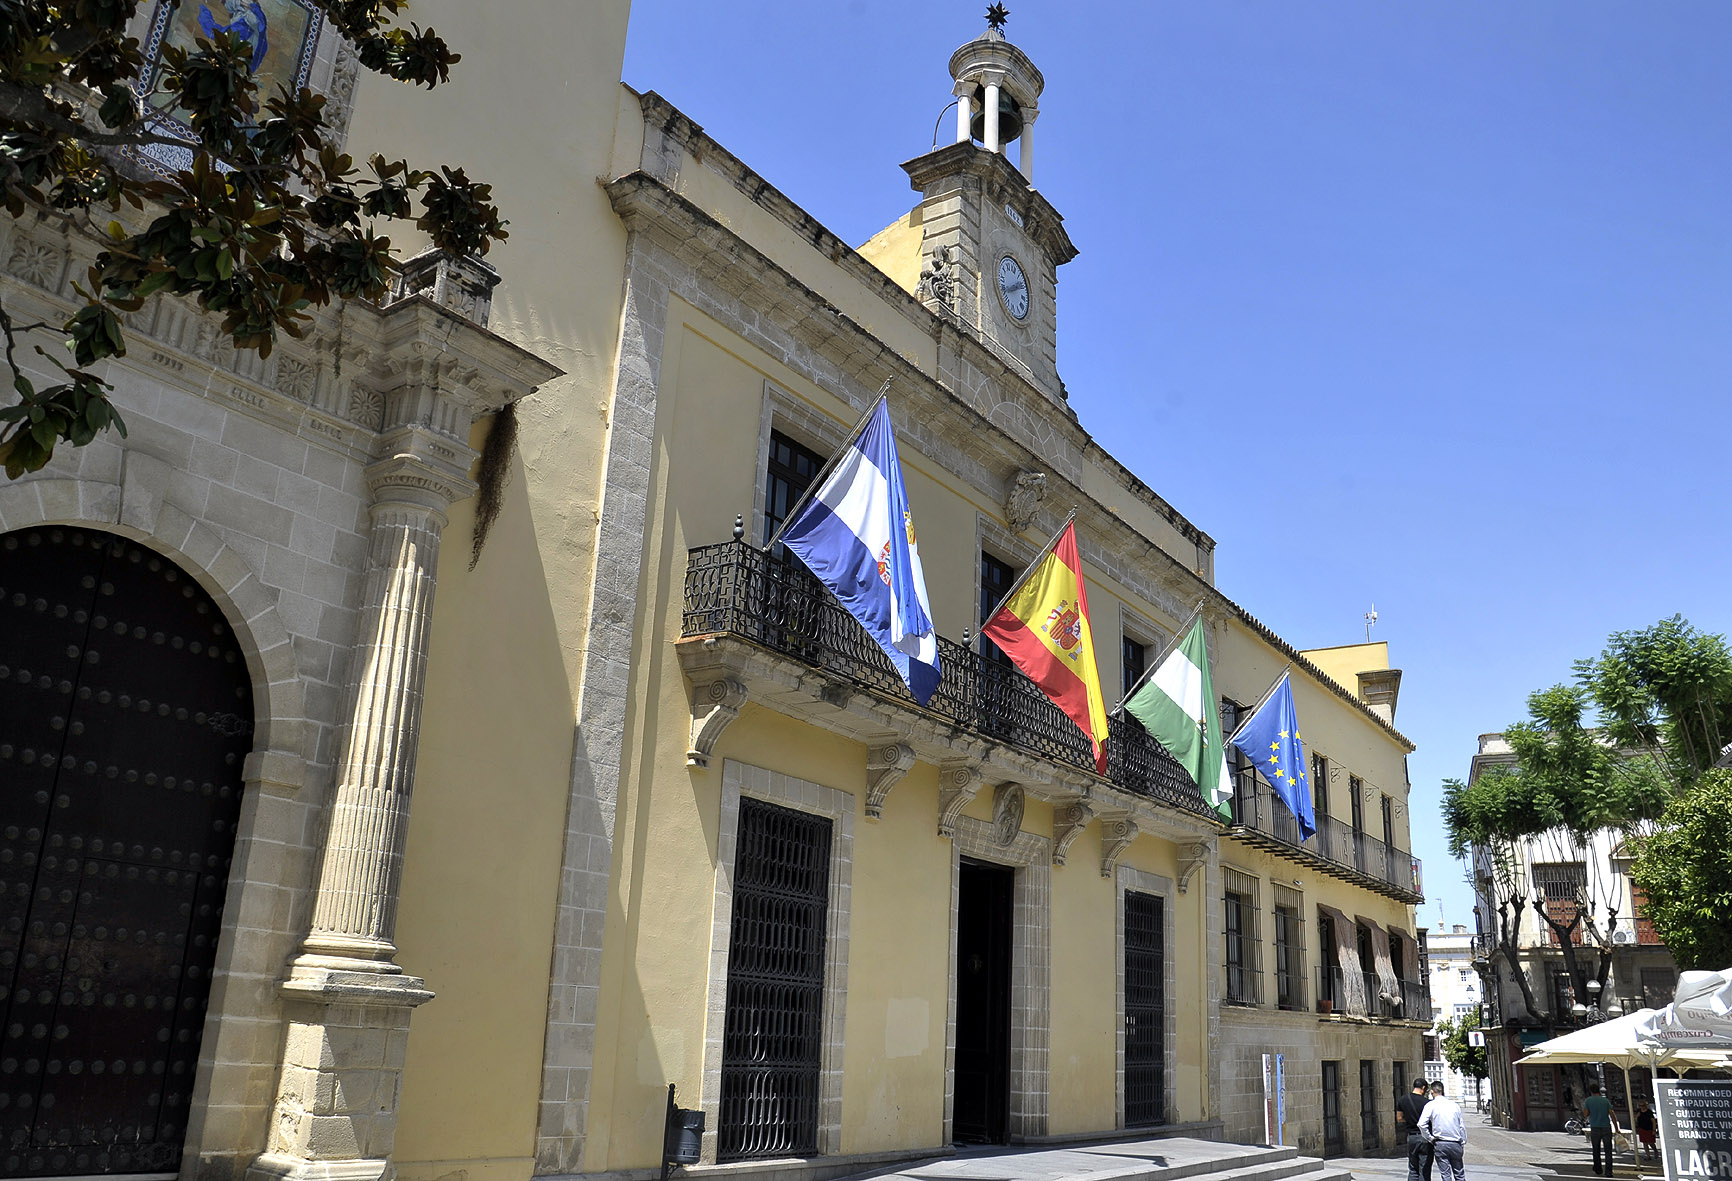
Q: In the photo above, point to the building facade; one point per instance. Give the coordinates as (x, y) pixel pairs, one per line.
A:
(1560, 943)
(629, 802)
(1455, 994)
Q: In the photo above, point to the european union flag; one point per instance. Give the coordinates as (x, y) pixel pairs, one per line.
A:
(1270, 739)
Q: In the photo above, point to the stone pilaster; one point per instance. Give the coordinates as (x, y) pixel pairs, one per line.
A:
(346, 1002)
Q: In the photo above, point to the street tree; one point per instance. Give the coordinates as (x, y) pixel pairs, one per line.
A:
(1453, 1041)
(1663, 700)
(267, 219)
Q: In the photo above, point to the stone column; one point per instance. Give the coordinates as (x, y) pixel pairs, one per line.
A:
(991, 101)
(964, 112)
(347, 1004)
(1029, 115)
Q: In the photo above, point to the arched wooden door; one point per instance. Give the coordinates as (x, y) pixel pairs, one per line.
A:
(125, 715)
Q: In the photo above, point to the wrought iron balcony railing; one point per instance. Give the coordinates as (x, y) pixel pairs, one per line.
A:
(1415, 1000)
(738, 589)
(1256, 807)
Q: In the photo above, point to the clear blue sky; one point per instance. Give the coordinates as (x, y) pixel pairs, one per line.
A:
(1422, 305)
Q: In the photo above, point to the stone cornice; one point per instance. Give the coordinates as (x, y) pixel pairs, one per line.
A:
(1043, 222)
(649, 207)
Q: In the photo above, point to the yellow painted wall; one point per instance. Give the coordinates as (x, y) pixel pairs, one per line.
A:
(1345, 662)
(895, 249)
(533, 108)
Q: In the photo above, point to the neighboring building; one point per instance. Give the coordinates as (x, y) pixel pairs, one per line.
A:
(1455, 993)
(674, 819)
(1530, 994)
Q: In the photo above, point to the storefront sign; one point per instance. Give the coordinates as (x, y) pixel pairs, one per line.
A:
(1695, 1128)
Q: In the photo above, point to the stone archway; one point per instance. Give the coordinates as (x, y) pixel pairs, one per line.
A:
(126, 718)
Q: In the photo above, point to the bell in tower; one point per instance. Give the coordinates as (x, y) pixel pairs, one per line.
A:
(997, 92)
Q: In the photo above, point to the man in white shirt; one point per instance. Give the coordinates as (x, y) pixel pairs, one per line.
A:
(1441, 1123)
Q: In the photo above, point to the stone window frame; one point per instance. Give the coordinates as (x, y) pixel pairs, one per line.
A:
(1137, 626)
(787, 413)
(992, 536)
(1141, 881)
(1030, 855)
(759, 783)
(1247, 884)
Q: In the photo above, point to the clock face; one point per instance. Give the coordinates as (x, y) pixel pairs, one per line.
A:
(1013, 287)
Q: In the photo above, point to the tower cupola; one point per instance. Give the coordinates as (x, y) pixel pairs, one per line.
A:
(997, 92)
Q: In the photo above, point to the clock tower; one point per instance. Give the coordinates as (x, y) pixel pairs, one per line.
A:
(990, 244)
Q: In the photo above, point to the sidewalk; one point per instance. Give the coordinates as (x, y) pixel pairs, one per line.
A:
(1506, 1156)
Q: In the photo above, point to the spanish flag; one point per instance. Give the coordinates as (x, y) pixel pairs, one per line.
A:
(1043, 626)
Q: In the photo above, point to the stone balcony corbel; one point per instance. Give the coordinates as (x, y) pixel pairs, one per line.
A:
(1118, 830)
(1068, 821)
(886, 764)
(714, 706)
(1195, 857)
(958, 782)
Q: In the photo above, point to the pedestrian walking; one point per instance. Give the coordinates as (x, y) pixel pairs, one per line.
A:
(1601, 1124)
(1645, 1131)
(1408, 1109)
(1442, 1124)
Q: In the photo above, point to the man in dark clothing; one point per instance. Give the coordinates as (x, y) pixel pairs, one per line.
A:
(1601, 1125)
(1407, 1112)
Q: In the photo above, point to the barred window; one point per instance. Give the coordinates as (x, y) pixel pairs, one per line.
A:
(1564, 886)
(1244, 964)
(1289, 948)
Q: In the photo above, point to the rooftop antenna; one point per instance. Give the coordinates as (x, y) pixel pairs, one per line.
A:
(1370, 622)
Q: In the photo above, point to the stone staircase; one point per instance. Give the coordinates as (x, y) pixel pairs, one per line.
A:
(1163, 1159)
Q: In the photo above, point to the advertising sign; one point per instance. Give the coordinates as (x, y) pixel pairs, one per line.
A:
(1274, 1099)
(1695, 1128)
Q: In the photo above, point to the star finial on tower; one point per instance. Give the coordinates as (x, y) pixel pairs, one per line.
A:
(996, 15)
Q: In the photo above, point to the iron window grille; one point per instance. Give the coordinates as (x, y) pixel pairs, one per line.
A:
(1369, 1134)
(1334, 1143)
(1242, 946)
(1145, 1011)
(772, 1041)
(1289, 948)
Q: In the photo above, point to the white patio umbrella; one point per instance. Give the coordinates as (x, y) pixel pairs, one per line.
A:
(1623, 1042)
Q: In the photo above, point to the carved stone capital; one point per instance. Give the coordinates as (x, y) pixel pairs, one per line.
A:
(957, 785)
(1068, 821)
(1190, 861)
(714, 705)
(885, 767)
(1118, 830)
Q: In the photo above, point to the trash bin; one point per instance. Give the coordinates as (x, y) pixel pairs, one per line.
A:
(685, 1139)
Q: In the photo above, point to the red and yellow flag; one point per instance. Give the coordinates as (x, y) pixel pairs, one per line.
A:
(1044, 628)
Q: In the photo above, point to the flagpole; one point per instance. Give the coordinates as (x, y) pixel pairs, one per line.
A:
(1261, 702)
(1029, 569)
(1155, 664)
(824, 472)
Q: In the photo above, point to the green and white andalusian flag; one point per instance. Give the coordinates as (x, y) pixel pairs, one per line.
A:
(1177, 706)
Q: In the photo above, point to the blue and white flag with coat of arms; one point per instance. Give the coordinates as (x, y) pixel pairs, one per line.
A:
(857, 535)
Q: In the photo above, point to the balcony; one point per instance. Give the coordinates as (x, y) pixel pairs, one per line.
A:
(805, 655)
(1263, 819)
(1414, 1003)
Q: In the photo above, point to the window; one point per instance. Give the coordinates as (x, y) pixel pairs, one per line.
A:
(1319, 785)
(1388, 822)
(1289, 948)
(1356, 800)
(1135, 660)
(1563, 994)
(1333, 1142)
(772, 1040)
(791, 470)
(996, 579)
(1564, 885)
(1658, 987)
(1244, 969)
(1329, 988)
(1369, 1135)
(1399, 1070)
(1239, 768)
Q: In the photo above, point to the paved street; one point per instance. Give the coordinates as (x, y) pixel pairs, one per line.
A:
(1495, 1153)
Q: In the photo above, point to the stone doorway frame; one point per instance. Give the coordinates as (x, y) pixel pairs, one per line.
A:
(1030, 972)
(258, 926)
